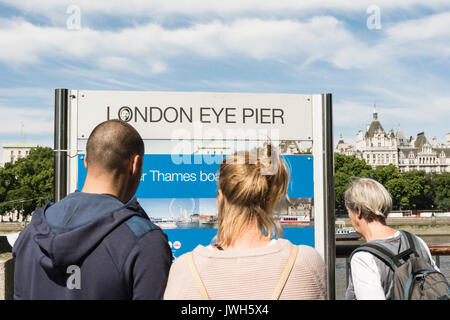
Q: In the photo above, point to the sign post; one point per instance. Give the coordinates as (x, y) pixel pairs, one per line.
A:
(324, 200)
(60, 143)
(188, 134)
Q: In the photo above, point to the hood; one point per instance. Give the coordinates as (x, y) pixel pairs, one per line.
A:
(69, 230)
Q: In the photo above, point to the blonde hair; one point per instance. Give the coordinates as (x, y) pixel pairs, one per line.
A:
(251, 184)
(371, 197)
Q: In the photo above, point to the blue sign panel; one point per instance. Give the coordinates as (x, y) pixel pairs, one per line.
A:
(178, 192)
(185, 240)
(196, 176)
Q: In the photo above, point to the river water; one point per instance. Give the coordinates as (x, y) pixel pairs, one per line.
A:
(340, 263)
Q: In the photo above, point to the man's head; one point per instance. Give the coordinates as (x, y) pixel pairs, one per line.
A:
(115, 150)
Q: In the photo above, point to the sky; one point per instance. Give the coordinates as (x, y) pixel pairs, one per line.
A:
(392, 53)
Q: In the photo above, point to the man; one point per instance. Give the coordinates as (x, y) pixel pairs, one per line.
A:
(98, 243)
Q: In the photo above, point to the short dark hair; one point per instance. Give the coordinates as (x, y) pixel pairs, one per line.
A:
(111, 144)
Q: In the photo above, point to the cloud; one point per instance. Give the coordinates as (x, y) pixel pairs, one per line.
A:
(427, 36)
(149, 48)
(56, 10)
(21, 92)
(29, 121)
(402, 66)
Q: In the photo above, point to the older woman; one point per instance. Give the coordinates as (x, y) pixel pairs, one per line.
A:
(368, 204)
(248, 259)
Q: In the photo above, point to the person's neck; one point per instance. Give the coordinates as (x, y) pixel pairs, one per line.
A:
(249, 238)
(105, 185)
(376, 230)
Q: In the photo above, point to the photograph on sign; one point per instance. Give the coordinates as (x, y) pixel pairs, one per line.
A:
(180, 196)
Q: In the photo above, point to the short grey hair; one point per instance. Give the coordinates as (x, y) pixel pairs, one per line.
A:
(371, 197)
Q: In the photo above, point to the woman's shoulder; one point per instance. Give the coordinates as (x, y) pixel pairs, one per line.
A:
(306, 254)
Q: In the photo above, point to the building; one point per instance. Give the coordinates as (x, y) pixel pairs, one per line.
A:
(14, 151)
(420, 154)
(294, 147)
(375, 145)
(380, 148)
(344, 148)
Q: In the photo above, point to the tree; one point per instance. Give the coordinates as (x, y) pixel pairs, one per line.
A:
(384, 174)
(28, 181)
(6, 181)
(440, 184)
(409, 190)
(346, 168)
(350, 165)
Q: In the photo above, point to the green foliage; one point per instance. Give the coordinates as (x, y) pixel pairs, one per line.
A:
(27, 178)
(440, 184)
(346, 167)
(409, 190)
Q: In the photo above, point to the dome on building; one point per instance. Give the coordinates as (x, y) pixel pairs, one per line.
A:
(421, 140)
(375, 126)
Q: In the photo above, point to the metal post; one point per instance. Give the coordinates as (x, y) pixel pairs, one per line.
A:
(324, 215)
(330, 214)
(60, 143)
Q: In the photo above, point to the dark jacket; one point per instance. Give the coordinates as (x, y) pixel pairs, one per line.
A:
(91, 246)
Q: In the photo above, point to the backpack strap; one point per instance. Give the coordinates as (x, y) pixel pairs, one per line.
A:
(387, 256)
(278, 289)
(196, 275)
(381, 252)
(286, 272)
(411, 241)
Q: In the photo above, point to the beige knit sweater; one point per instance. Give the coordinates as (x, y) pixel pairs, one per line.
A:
(248, 274)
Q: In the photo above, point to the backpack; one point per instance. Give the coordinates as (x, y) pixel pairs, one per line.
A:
(414, 277)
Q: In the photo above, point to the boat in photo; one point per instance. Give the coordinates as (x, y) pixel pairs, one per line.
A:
(164, 223)
(186, 224)
(345, 233)
(285, 219)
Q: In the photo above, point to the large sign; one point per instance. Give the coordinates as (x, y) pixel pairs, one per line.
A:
(193, 115)
(188, 134)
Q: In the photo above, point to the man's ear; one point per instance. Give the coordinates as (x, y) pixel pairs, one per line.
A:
(359, 213)
(135, 164)
(85, 161)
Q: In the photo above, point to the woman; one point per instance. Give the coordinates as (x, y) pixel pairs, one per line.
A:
(368, 204)
(248, 259)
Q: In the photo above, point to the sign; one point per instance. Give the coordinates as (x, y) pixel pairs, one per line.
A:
(180, 197)
(199, 115)
(162, 178)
